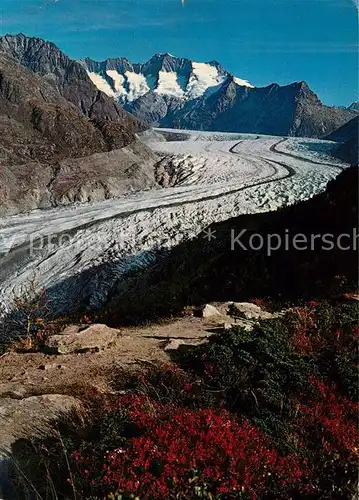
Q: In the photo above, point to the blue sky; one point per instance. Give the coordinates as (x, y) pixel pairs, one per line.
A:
(263, 41)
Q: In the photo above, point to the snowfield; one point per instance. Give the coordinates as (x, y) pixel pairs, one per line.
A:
(203, 79)
(79, 253)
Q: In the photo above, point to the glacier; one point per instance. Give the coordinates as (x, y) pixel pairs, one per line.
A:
(80, 252)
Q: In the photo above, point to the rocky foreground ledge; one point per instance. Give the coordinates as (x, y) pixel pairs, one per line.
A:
(40, 387)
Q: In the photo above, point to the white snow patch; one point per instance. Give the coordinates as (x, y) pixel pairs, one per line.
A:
(168, 84)
(138, 85)
(101, 83)
(243, 83)
(118, 81)
(203, 77)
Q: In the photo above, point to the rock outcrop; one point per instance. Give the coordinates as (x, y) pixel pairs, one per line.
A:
(28, 418)
(248, 310)
(70, 79)
(52, 153)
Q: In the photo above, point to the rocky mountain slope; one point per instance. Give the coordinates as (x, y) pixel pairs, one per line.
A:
(179, 93)
(354, 106)
(53, 153)
(71, 81)
(164, 73)
(347, 136)
(35, 114)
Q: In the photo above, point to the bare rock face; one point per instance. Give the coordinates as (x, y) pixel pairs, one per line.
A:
(37, 123)
(52, 154)
(9, 390)
(92, 178)
(30, 417)
(348, 137)
(70, 79)
(95, 337)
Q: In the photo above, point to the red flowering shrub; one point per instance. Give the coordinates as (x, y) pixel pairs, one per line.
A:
(355, 331)
(266, 414)
(319, 327)
(304, 335)
(260, 303)
(302, 342)
(327, 424)
(333, 418)
(182, 453)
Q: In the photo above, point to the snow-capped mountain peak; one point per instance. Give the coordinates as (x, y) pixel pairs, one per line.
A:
(163, 74)
(173, 92)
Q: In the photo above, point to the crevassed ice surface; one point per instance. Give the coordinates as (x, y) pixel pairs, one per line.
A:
(219, 176)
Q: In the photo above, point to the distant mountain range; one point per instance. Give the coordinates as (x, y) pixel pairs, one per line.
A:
(174, 92)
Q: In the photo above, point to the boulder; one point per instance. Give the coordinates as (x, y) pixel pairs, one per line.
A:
(247, 324)
(249, 310)
(74, 340)
(208, 311)
(175, 344)
(72, 329)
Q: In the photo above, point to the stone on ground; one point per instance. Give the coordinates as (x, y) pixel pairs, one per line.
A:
(73, 339)
(208, 311)
(249, 310)
(175, 344)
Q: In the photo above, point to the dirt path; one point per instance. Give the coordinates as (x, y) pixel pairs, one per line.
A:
(23, 375)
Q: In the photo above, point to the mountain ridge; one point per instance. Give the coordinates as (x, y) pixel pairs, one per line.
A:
(70, 79)
(163, 73)
(53, 151)
(173, 92)
(347, 137)
(124, 98)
